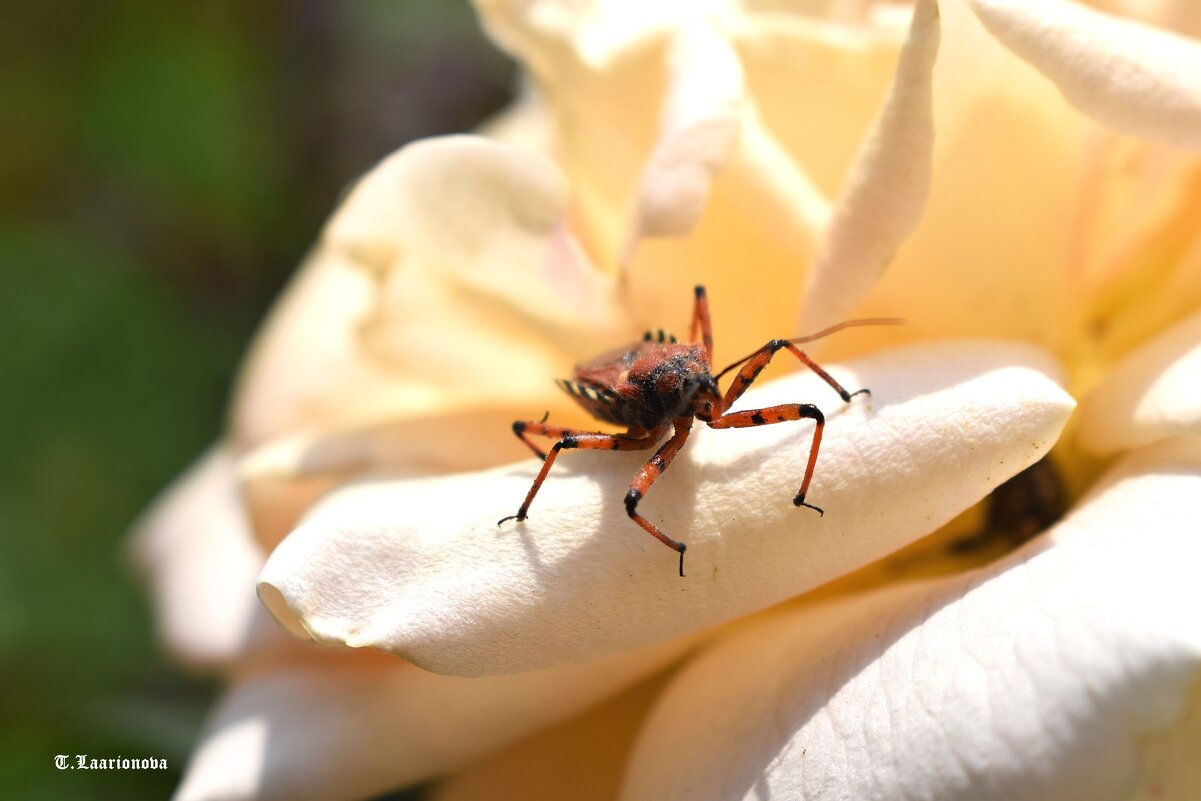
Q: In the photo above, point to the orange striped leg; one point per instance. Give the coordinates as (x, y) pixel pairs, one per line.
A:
(522, 428)
(780, 414)
(759, 359)
(576, 439)
(700, 319)
(648, 475)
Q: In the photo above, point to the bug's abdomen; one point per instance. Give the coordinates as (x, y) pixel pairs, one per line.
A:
(600, 402)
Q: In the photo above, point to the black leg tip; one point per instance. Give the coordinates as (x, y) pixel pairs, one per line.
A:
(699, 290)
(517, 517)
(632, 498)
(800, 501)
(681, 547)
(864, 391)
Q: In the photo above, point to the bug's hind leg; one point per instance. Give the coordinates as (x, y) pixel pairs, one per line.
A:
(702, 324)
(571, 438)
(523, 427)
(780, 414)
(648, 475)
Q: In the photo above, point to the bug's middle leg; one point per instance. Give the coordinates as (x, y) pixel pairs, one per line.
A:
(780, 414)
(649, 474)
(568, 439)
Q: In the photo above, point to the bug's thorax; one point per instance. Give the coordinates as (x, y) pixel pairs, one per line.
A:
(650, 383)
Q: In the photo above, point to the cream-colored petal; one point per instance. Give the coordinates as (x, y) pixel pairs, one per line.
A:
(812, 92)
(1099, 259)
(699, 127)
(1130, 76)
(195, 550)
(598, 32)
(992, 258)
(446, 281)
(1063, 672)
(1153, 393)
(601, 70)
(607, 82)
(353, 725)
(420, 568)
(750, 249)
(817, 85)
(282, 478)
(885, 193)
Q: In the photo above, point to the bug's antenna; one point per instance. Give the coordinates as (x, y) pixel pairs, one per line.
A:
(862, 321)
(825, 332)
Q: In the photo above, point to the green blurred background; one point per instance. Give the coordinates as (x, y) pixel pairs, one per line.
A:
(163, 168)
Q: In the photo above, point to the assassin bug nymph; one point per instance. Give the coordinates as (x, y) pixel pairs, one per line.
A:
(658, 385)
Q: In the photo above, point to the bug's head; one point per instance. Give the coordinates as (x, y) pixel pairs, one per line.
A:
(706, 398)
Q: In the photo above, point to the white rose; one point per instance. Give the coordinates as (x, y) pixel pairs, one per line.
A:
(1016, 179)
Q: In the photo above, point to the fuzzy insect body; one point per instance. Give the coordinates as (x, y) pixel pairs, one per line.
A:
(660, 385)
(644, 386)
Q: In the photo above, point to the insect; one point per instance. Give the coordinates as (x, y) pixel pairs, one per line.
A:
(660, 385)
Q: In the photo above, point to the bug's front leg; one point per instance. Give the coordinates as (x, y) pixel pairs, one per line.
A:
(781, 414)
(568, 439)
(648, 475)
(755, 363)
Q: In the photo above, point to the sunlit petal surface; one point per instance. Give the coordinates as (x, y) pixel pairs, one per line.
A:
(885, 194)
(1069, 670)
(420, 568)
(1132, 77)
(701, 119)
(446, 273)
(1153, 393)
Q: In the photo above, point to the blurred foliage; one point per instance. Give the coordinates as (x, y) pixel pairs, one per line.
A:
(164, 168)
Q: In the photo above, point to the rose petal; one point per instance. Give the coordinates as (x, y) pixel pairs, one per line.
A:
(1063, 672)
(195, 549)
(420, 569)
(1140, 245)
(885, 192)
(700, 122)
(988, 238)
(600, 67)
(816, 85)
(446, 279)
(1132, 77)
(763, 212)
(603, 69)
(599, 32)
(349, 727)
(1153, 393)
(281, 479)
